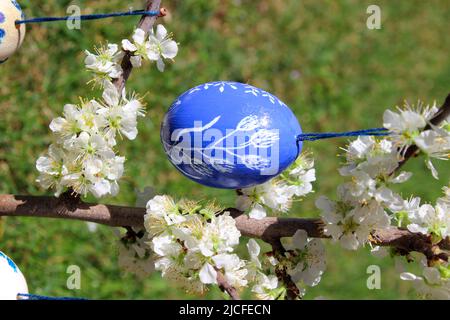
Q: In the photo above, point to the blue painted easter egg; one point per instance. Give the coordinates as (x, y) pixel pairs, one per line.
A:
(230, 135)
(11, 35)
(12, 281)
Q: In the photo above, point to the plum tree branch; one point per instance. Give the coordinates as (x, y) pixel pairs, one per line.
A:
(267, 229)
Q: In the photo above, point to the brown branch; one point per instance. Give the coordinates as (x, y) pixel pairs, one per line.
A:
(226, 287)
(405, 242)
(440, 116)
(292, 291)
(267, 229)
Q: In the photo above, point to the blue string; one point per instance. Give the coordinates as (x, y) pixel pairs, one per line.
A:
(329, 135)
(38, 297)
(90, 16)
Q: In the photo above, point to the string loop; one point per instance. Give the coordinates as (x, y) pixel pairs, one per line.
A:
(329, 135)
(90, 16)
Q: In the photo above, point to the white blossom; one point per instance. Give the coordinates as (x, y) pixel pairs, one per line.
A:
(254, 250)
(161, 46)
(161, 215)
(208, 275)
(351, 226)
(431, 220)
(138, 48)
(407, 123)
(309, 259)
(278, 194)
(266, 288)
(52, 168)
(412, 125)
(105, 63)
(274, 195)
(434, 144)
(219, 236)
(433, 284)
(301, 175)
(119, 114)
(233, 267)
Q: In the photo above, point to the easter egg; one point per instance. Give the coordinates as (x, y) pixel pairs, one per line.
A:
(230, 135)
(12, 281)
(11, 35)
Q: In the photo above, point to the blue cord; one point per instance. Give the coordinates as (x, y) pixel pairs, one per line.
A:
(90, 16)
(328, 135)
(38, 297)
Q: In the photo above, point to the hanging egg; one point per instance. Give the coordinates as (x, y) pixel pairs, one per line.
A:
(12, 281)
(230, 135)
(11, 35)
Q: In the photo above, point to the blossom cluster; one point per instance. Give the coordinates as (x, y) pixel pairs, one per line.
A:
(277, 194)
(433, 284)
(412, 125)
(192, 243)
(427, 219)
(362, 202)
(105, 63)
(303, 260)
(366, 202)
(83, 157)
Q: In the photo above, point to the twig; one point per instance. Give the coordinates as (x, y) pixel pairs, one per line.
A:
(146, 23)
(226, 287)
(292, 291)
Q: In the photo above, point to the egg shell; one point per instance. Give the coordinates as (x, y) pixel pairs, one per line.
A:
(230, 135)
(11, 35)
(12, 281)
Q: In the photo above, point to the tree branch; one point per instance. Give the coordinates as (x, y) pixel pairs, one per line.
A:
(226, 287)
(267, 229)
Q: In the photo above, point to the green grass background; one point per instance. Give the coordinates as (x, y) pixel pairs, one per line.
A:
(317, 56)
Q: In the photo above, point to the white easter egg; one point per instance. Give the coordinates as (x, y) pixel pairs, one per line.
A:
(11, 35)
(12, 281)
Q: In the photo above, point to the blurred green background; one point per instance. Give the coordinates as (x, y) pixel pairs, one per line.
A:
(317, 56)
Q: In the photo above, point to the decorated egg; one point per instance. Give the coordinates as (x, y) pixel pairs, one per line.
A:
(230, 135)
(11, 35)
(12, 281)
